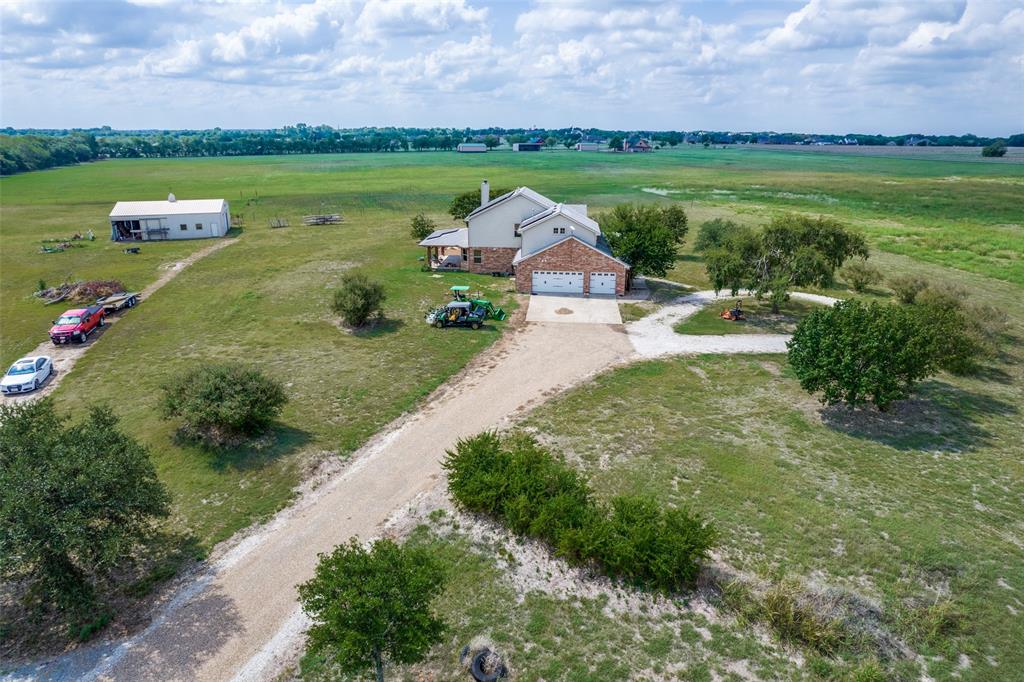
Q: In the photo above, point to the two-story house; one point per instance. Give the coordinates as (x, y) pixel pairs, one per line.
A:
(550, 247)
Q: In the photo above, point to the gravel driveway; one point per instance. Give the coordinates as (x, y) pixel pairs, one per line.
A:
(653, 336)
(241, 616)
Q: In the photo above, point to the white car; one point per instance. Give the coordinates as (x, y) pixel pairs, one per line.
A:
(26, 375)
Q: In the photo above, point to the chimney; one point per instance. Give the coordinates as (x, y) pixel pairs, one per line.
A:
(485, 192)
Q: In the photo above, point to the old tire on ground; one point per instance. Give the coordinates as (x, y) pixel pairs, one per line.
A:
(476, 669)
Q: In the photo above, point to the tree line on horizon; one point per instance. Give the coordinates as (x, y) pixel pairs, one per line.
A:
(24, 150)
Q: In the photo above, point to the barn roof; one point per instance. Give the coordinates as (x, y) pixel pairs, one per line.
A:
(127, 209)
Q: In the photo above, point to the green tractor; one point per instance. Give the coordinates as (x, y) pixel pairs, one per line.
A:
(460, 292)
(463, 311)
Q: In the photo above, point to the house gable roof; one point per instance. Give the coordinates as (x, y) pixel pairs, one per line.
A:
(602, 248)
(560, 210)
(535, 197)
(452, 236)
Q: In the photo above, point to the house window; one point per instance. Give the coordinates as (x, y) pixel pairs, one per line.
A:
(199, 226)
(554, 230)
(478, 256)
(557, 230)
(183, 227)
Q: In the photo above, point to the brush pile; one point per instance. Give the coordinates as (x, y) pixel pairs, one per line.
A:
(80, 292)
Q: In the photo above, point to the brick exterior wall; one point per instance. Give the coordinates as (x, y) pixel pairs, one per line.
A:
(572, 256)
(493, 259)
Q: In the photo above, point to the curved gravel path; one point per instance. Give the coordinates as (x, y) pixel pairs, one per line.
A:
(653, 336)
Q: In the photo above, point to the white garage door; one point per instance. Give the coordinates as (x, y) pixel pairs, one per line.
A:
(602, 283)
(554, 282)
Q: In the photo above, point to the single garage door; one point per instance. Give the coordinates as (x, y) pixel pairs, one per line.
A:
(602, 283)
(554, 282)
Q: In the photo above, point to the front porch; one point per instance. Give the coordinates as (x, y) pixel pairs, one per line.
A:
(448, 249)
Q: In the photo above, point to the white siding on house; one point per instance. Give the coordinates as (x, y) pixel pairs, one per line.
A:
(543, 234)
(496, 226)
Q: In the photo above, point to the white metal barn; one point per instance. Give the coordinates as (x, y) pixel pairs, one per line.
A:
(171, 219)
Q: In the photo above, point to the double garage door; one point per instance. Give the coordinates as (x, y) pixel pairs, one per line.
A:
(557, 282)
(564, 282)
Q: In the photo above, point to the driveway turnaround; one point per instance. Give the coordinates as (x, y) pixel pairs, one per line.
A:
(653, 336)
(573, 309)
(240, 618)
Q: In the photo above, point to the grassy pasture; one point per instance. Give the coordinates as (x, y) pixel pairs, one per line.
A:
(923, 508)
(760, 319)
(917, 512)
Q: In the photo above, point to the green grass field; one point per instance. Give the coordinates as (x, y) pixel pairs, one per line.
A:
(759, 318)
(924, 507)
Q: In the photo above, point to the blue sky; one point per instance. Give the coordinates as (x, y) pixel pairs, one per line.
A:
(932, 66)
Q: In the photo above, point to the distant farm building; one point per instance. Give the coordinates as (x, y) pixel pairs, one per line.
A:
(587, 146)
(636, 144)
(533, 145)
(471, 147)
(171, 219)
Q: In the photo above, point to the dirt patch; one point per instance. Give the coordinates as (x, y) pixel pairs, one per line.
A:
(563, 311)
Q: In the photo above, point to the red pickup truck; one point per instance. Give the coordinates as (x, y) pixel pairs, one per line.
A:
(77, 324)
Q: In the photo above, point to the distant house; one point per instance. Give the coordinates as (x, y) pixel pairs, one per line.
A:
(587, 146)
(471, 148)
(533, 145)
(171, 219)
(636, 145)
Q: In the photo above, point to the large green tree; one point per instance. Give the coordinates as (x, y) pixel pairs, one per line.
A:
(371, 607)
(792, 251)
(858, 353)
(75, 500)
(645, 236)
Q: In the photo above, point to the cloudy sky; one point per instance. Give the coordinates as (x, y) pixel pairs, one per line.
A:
(931, 66)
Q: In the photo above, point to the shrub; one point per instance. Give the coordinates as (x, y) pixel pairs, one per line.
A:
(645, 543)
(972, 332)
(907, 287)
(996, 149)
(524, 486)
(75, 501)
(858, 353)
(358, 299)
(712, 233)
(861, 274)
(371, 607)
(221, 403)
(421, 226)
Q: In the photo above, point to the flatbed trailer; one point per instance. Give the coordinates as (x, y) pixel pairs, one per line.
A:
(112, 304)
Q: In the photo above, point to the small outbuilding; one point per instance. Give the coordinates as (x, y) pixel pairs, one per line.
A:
(587, 146)
(534, 145)
(171, 219)
(471, 148)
